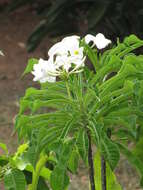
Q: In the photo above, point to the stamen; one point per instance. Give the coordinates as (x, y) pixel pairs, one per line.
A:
(76, 52)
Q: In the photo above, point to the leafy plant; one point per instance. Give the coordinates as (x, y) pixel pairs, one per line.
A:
(62, 121)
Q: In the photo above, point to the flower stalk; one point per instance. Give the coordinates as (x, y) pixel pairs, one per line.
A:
(36, 172)
(68, 89)
(103, 173)
(103, 167)
(90, 163)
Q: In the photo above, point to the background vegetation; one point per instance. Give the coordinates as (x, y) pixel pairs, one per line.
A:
(115, 18)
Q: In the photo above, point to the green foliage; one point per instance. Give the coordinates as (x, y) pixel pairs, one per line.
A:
(137, 150)
(98, 102)
(110, 151)
(14, 179)
(42, 185)
(73, 161)
(59, 179)
(111, 179)
(82, 144)
(56, 120)
(4, 147)
(30, 65)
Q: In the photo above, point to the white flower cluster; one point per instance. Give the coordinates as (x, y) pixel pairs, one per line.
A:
(99, 40)
(66, 56)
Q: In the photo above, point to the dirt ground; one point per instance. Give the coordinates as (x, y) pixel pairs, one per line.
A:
(14, 31)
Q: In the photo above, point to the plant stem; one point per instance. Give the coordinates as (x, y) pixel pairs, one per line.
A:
(68, 89)
(103, 166)
(103, 173)
(36, 172)
(90, 162)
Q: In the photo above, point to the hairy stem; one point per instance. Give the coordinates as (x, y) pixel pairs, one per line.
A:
(103, 173)
(103, 166)
(36, 172)
(90, 163)
(68, 89)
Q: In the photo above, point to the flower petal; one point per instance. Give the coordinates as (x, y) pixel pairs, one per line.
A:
(101, 42)
(42, 70)
(89, 38)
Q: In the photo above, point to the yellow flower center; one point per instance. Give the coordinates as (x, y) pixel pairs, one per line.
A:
(76, 52)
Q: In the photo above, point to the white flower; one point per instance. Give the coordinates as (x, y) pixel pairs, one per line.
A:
(89, 38)
(57, 49)
(62, 47)
(63, 63)
(71, 42)
(44, 71)
(65, 56)
(67, 53)
(99, 40)
(73, 37)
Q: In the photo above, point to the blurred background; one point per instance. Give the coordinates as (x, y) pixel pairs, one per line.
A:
(29, 27)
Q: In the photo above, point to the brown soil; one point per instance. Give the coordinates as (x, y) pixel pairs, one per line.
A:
(14, 31)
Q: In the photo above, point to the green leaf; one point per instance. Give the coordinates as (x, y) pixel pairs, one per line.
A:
(24, 105)
(53, 103)
(48, 137)
(112, 65)
(129, 44)
(111, 180)
(110, 151)
(108, 148)
(82, 145)
(90, 97)
(138, 149)
(3, 160)
(42, 185)
(45, 172)
(95, 131)
(66, 152)
(4, 147)
(30, 65)
(45, 94)
(21, 149)
(31, 156)
(92, 54)
(59, 179)
(132, 39)
(14, 180)
(20, 163)
(73, 161)
(67, 128)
